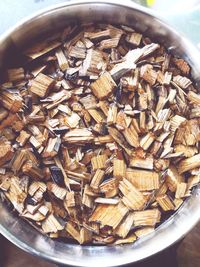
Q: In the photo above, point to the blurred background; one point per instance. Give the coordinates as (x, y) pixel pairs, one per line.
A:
(184, 15)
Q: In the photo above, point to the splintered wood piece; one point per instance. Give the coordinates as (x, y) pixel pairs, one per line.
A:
(97, 178)
(189, 164)
(143, 100)
(165, 202)
(143, 180)
(119, 168)
(103, 86)
(99, 162)
(103, 105)
(15, 75)
(34, 142)
(93, 64)
(77, 52)
(192, 181)
(125, 66)
(23, 138)
(110, 43)
(51, 225)
(132, 197)
(79, 176)
(110, 215)
(82, 135)
(178, 202)
(123, 229)
(131, 136)
(176, 122)
(146, 217)
(52, 148)
(58, 191)
(146, 163)
(147, 140)
(97, 36)
(119, 138)
(89, 102)
(62, 60)
(6, 153)
(41, 48)
(134, 38)
(96, 115)
(85, 236)
(32, 170)
(3, 113)
(193, 98)
(188, 133)
(173, 178)
(112, 114)
(131, 80)
(87, 199)
(56, 99)
(187, 151)
(130, 59)
(15, 194)
(71, 120)
(167, 78)
(180, 190)
(20, 157)
(11, 101)
(35, 187)
(181, 81)
(148, 74)
(109, 187)
(110, 201)
(103, 140)
(41, 85)
(66, 179)
(122, 121)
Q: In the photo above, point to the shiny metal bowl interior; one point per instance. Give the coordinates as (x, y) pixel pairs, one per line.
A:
(21, 233)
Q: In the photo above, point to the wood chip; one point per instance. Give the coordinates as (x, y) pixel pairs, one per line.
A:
(119, 168)
(109, 215)
(189, 164)
(146, 217)
(132, 197)
(103, 86)
(41, 85)
(143, 180)
(165, 202)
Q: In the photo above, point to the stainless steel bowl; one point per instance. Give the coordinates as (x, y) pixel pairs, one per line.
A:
(21, 233)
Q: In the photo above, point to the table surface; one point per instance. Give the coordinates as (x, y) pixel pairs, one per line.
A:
(187, 20)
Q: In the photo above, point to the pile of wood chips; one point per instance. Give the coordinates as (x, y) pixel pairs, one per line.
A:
(99, 133)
